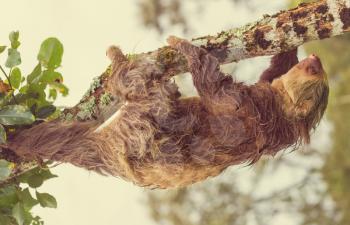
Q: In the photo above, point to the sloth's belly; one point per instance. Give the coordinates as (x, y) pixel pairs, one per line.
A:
(160, 175)
(170, 152)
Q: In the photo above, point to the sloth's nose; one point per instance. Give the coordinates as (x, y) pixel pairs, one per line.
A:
(314, 56)
(315, 65)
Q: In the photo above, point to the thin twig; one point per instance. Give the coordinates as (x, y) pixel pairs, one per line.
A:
(8, 80)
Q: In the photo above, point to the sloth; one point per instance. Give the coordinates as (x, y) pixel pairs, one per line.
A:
(159, 140)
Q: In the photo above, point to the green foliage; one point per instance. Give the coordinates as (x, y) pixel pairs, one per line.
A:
(16, 115)
(45, 111)
(28, 201)
(14, 36)
(5, 169)
(16, 202)
(15, 78)
(39, 174)
(18, 213)
(33, 76)
(2, 49)
(13, 59)
(50, 54)
(46, 200)
(30, 98)
(2, 134)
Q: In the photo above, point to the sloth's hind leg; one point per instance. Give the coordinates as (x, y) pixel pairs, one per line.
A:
(138, 79)
(124, 81)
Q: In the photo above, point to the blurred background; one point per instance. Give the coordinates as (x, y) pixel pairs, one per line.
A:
(304, 187)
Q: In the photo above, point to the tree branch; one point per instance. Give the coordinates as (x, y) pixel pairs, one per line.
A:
(283, 31)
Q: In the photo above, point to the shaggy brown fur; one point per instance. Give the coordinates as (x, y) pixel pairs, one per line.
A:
(160, 140)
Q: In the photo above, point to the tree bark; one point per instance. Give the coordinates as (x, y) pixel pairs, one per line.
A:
(270, 35)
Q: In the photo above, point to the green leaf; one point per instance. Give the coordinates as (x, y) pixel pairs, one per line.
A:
(33, 77)
(33, 108)
(35, 181)
(5, 169)
(2, 48)
(25, 176)
(50, 54)
(45, 111)
(37, 221)
(5, 220)
(53, 93)
(20, 98)
(13, 59)
(46, 174)
(36, 95)
(24, 89)
(15, 77)
(8, 196)
(18, 213)
(16, 115)
(14, 36)
(61, 88)
(28, 201)
(50, 76)
(3, 136)
(36, 91)
(46, 200)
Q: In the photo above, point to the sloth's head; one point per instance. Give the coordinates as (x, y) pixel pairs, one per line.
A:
(306, 91)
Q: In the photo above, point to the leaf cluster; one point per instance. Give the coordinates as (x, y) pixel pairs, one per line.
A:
(17, 198)
(25, 99)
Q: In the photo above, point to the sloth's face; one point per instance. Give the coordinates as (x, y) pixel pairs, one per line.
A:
(307, 86)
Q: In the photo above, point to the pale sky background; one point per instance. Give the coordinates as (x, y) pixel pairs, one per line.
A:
(87, 28)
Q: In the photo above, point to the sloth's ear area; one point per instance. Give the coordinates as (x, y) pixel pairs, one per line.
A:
(173, 41)
(115, 54)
